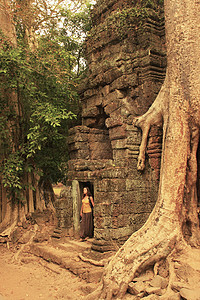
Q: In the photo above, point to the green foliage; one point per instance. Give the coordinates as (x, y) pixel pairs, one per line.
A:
(47, 139)
(39, 98)
(12, 170)
(4, 133)
(154, 4)
(127, 20)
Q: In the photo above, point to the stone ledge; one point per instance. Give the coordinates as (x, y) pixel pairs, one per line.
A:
(66, 255)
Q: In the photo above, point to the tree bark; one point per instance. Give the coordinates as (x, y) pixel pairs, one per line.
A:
(173, 226)
(12, 212)
(7, 26)
(8, 29)
(30, 194)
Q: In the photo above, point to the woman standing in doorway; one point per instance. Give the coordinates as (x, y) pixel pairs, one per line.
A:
(87, 224)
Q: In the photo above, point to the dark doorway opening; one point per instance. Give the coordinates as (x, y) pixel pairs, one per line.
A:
(86, 184)
(89, 185)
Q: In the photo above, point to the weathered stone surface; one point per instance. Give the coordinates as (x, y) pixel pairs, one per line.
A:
(188, 294)
(136, 288)
(64, 208)
(151, 297)
(159, 282)
(126, 70)
(117, 133)
(66, 254)
(154, 290)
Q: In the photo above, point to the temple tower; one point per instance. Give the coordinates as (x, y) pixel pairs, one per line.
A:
(125, 51)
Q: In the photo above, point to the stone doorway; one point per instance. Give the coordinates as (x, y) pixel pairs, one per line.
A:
(77, 190)
(86, 184)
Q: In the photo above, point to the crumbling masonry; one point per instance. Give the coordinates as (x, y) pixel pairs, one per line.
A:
(126, 57)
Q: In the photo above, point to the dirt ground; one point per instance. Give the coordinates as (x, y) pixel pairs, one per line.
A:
(33, 280)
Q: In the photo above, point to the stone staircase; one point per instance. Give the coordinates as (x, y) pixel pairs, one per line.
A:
(57, 233)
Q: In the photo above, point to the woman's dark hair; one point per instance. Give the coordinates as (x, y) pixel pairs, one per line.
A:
(88, 192)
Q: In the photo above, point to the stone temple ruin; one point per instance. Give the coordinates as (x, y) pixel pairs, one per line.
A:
(126, 68)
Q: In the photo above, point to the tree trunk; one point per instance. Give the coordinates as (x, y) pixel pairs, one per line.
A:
(172, 231)
(14, 211)
(30, 194)
(8, 29)
(7, 26)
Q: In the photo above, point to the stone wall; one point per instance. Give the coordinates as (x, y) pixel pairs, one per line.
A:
(64, 208)
(126, 57)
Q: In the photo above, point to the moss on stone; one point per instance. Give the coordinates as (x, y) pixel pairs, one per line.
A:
(129, 19)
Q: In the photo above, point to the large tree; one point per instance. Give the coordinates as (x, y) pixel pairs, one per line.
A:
(40, 68)
(10, 131)
(171, 235)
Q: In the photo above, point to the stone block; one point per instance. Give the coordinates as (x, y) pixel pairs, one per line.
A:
(133, 184)
(114, 185)
(107, 222)
(159, 282)
(117, 185)
(114, 97)
(109, 197)
(98, 222)
(91, 112)
(105, 90)
(122, 220)
(117, 133)
(77, 165)
(89, 122)
(135, 288)
(107, 77)
(155, 162)
(133, 149)
(112, 74)
(114, 121)
(154, 290)
(101, 137)
(114, 172)
(112, 106)
(77, 137)
(80, 154)
(134, 139)
(114, 222)
(119, 154)
(95, 276)
(102, 186)
(79, 129)
(89, 93)
(104, 209)
(132, 79)
(78, 146)
(116, 210)
(190, 294)
(103, 245)
(146, 276)
(119, 83)
(119, 144)
(113, 233)
(100, 150)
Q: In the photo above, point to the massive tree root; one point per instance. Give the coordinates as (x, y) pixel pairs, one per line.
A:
(171, 235)
(10, 220)
(173, 226)
(153, 244)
